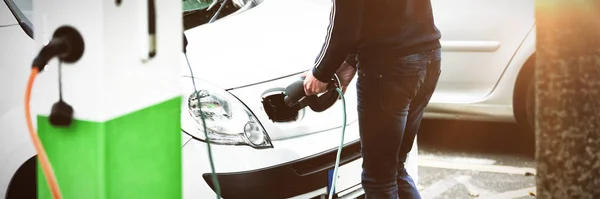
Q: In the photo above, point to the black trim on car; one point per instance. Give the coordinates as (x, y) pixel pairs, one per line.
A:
(21, 18)
(284, 180)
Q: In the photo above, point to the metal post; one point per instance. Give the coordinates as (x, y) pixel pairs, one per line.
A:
(568, 99)
(125, 140)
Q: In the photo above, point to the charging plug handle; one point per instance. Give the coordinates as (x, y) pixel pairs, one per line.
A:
(295, 95)
(66, 44)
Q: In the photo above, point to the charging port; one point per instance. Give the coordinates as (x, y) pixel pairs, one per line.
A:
(277, 110)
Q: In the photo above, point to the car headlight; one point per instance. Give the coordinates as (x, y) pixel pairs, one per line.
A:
(228, 121)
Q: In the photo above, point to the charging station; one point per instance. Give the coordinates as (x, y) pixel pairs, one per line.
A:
(124, 140)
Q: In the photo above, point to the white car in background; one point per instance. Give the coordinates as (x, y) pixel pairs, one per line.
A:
(488, 59)
(486, 75)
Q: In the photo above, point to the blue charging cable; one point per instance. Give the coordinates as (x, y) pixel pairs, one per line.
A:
(210, 158)
(339, 151)
(202, 116)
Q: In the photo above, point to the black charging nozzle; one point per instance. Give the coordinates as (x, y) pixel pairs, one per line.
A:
(295, 95)
(68, 46)
(284, 107)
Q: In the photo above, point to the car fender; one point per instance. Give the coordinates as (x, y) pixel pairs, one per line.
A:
(502, 94)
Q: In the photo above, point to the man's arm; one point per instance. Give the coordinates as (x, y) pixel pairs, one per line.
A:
(342, 37)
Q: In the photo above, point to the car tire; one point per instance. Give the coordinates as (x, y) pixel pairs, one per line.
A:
(24, 182)
(524, 96)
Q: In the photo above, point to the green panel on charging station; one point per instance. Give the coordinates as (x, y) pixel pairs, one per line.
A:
(137, 155)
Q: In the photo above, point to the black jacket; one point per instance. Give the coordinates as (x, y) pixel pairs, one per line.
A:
(371, 28)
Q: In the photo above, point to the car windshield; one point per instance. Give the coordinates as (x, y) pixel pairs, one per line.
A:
(199, 12)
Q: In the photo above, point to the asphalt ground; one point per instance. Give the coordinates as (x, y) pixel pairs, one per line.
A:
(459, 159)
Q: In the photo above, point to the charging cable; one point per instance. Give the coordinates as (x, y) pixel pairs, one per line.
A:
(210, 158)
(202, 116)
(42, 156)
(341, 146)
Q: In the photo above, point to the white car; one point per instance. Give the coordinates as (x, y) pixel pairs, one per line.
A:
(488, 52)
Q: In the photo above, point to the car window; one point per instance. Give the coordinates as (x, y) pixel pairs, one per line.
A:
(23, 12)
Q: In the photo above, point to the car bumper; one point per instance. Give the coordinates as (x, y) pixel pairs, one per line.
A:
(290, 179)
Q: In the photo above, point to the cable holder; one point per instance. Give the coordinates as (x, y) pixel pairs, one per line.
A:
(61, 114)
(68, 46)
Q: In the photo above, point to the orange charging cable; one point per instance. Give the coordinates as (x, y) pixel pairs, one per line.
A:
(42, 156)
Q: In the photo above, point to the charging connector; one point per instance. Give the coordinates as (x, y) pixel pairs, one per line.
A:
(66, 44)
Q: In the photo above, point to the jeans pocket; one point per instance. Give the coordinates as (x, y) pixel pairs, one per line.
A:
(397, 91)
(364, 90)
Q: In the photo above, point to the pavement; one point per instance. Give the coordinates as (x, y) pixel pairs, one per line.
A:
(480, 160)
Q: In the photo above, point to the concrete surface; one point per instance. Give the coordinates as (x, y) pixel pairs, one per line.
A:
(475, 160)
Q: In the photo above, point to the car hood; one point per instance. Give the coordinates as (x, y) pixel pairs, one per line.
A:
(274, 39)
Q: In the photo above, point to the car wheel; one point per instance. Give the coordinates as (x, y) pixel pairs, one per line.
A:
(24, 183)
(524, 96)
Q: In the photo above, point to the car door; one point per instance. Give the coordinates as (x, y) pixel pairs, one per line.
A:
(479, 38)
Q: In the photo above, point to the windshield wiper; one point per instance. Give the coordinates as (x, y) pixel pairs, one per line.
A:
(214, 17)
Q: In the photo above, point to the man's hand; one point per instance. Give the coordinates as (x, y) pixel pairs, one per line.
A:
(312, 85)
(345, 73)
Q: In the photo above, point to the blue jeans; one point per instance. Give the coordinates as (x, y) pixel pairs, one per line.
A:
(392, 93)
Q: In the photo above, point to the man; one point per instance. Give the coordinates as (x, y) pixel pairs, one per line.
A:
(396, 44)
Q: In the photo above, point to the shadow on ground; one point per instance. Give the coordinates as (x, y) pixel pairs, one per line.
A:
(483, 137)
